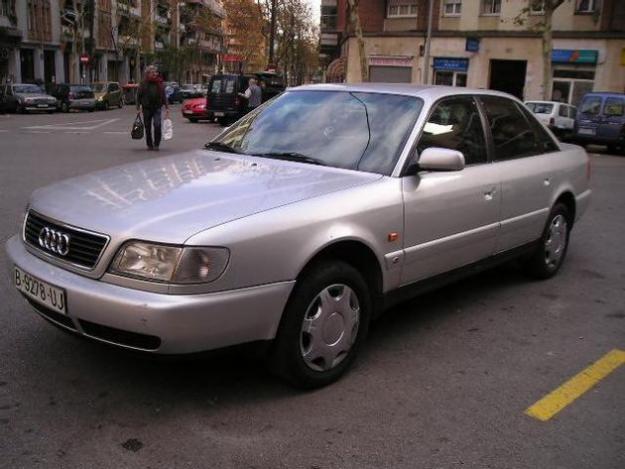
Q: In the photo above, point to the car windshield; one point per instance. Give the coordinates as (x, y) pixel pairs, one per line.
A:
(27, 89)
(352, 130)
(591, 105)
(98, 87)
(540, 108)
(80, 88)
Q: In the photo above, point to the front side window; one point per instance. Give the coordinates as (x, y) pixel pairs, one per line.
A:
(452, 8)
(491, 7)
(513, 137)
(455, 124)
(591, 105)
(360, 131)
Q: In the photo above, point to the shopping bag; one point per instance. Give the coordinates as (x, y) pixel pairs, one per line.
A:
(137, 128)
(168, 129)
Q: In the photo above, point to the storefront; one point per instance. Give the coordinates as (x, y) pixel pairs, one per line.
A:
(390, 69)
(573, 74)
(450, 71)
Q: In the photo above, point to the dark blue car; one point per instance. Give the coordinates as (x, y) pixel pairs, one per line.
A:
(601, 120)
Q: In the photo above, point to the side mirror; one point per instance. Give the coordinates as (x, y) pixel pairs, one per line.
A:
(440, 159)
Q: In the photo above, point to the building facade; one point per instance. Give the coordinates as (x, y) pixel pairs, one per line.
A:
(82, 41)
(488, 44)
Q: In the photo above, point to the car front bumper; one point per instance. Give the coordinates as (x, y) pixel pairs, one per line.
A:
(155, 322)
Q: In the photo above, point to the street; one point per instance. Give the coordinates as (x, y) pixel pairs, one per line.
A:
(442, 382)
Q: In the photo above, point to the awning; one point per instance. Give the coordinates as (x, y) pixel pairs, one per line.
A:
(336, 70)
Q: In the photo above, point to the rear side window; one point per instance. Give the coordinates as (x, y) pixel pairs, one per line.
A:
(591, 105)
(541, 108)
(230, 83)
(514, 135)
(455, 123)
(564, 111)
(614, 107)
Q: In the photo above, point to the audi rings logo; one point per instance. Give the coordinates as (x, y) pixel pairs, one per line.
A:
(54, 241)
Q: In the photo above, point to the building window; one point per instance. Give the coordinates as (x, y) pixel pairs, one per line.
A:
(452, 8)
(491, 7)
(448, 78)
(570, 84)
(537, 7)
(587, 6)
(402, 9)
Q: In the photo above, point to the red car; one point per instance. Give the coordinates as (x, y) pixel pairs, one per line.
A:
(195, 109)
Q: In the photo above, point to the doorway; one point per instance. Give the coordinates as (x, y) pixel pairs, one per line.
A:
(27, 65)
(508, 76)
(49, 67)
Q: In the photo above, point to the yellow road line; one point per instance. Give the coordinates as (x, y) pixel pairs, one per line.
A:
(562, 396)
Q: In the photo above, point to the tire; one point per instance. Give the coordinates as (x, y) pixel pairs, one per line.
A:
(193, 120)
(549, 256)
(64, 107)
(309, 360)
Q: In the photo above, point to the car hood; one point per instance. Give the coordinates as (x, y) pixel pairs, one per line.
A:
(172, 198)
(33, 95)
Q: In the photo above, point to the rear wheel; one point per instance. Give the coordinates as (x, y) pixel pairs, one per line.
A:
(548, 257)
(323, 325)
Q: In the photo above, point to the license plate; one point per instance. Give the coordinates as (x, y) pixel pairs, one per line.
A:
(40, 291)
(219, 114)
(587, 131)
(42, 105)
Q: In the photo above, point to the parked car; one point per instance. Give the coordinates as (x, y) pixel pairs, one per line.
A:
(195, 109)
(24, 97)
(107, 94)
(559, 117)
(601, 120)
(223, 99)
(172, 92)
(189, 90)
(74, 97)
(301, 222)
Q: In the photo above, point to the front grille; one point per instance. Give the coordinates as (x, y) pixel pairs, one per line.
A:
(119, 336)
(52, 315)
(85, 247)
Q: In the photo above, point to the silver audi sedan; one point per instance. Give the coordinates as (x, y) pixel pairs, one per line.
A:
(300, 223)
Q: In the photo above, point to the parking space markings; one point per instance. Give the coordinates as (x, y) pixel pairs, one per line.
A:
(568, 392)
(75, 125)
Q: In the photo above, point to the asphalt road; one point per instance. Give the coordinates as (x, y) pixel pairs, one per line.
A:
(443, 381)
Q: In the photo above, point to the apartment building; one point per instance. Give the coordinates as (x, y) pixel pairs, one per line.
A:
(482, 44)
(82, 41)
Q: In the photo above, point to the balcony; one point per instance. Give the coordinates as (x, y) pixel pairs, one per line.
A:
(213, 5)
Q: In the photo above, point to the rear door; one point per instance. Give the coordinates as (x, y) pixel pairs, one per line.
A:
(451, 218)
(612, 118)
(519, 143)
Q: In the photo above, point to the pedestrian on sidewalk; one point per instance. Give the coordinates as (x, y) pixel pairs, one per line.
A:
(253, 94)
(150, 99)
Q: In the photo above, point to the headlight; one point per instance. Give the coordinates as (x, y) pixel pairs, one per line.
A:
(170, 264)
(100, 98)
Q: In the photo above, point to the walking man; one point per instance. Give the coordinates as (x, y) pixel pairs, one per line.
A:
(253, 94)
(150, 99)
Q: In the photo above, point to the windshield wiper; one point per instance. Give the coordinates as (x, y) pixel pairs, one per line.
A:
(221, 146)
(291, 156)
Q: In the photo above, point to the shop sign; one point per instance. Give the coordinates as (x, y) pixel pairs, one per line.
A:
(232, 58)
(390, 60)
(574, 56)
(451, 64)
(472, 44)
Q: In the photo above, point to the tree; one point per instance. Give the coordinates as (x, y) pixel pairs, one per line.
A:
(244, 30)
(355, 26)
(544, 26)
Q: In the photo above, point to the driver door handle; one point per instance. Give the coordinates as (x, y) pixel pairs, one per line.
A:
(489, 194)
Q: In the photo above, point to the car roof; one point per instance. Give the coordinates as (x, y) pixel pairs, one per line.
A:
(546, 102)
(605, 93)
(428, 92)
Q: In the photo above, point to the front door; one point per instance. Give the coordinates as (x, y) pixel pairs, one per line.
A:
(451, 218)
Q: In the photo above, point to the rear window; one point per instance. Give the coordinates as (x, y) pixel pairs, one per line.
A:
(540, 108)
(230, 84)
(591, 105)
(216, 86)
(613, 107)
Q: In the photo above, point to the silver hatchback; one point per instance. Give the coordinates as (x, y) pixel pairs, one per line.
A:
(301, 222)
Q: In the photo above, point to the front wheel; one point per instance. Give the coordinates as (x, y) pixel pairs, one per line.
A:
(323, 325)
(548, 257)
